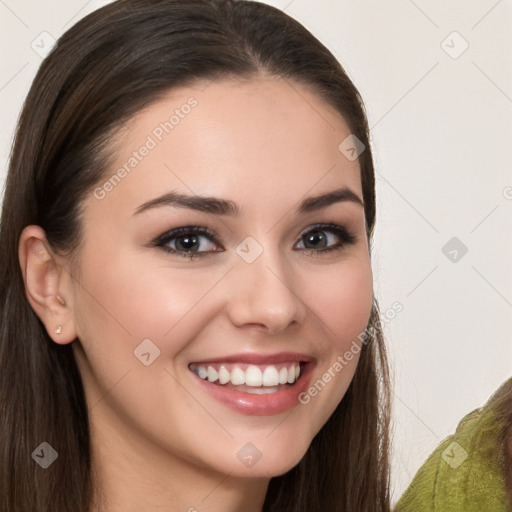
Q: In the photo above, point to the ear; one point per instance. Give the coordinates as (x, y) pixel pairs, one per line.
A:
(47, 284)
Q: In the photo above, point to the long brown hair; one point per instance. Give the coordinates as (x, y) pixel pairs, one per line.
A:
(107, 67)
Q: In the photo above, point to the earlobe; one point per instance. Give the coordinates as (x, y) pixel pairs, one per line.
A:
(42, 278)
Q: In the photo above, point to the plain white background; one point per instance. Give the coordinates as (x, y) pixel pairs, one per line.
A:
(437, 82)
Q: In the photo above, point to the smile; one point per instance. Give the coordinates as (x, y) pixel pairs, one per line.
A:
(255, 384)
(249, 377)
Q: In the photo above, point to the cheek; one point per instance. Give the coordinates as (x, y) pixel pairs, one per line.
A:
(342, 298)
(131, 300)
(122, 301)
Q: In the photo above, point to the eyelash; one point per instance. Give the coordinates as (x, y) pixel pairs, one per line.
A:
(347, 238)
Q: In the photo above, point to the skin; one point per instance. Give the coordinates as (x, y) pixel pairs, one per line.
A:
(159, 442)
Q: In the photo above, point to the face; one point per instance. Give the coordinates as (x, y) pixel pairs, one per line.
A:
(181, 300)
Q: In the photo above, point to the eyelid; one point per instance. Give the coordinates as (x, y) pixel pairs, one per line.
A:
(337, 228)
(202, 230)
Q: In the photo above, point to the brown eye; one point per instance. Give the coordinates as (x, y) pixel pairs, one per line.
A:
(189, 241)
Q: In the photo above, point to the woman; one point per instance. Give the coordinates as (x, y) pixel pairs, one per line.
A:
(470, 470)
(188, 318)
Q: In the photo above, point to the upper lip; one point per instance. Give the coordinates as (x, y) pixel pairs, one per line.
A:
(261, 359)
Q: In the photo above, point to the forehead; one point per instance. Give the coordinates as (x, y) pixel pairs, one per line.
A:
(249, 141)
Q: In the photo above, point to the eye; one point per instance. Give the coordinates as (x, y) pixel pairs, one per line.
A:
(197, 241)
(319, 238)
(189, 241)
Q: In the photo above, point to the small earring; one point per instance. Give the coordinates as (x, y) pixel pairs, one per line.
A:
(58, 330)
(60, 299)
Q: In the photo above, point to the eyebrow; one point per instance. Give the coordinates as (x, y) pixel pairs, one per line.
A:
(217, 206)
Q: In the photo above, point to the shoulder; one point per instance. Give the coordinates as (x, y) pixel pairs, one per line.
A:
(508, 461)
(465, 472)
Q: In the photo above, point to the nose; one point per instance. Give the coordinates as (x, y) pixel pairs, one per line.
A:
(262, 295)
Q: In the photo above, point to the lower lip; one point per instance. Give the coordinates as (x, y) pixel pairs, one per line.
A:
(259, 405)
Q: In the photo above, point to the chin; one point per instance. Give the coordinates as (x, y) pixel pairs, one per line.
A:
(272, 459)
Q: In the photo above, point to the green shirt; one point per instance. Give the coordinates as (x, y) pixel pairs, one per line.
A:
(464, 473)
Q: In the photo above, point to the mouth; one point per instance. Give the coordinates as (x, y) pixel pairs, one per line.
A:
(254, 383)
(251, 378)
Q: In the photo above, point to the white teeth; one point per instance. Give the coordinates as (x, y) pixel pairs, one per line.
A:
(212, 374)
(270, 376)
(262, 391)
(255, 376)
(224, 375)
(237, 376)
